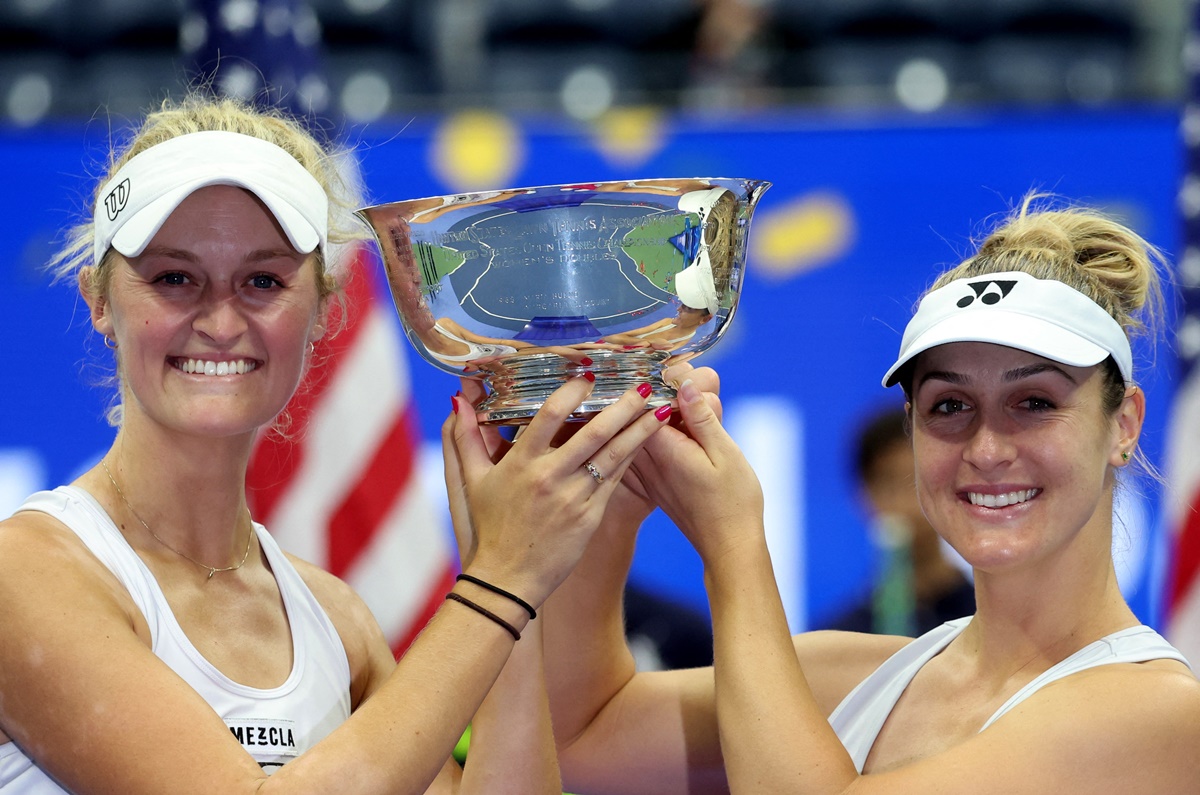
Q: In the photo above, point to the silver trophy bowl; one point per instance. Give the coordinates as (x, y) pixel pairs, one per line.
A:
(527, 287)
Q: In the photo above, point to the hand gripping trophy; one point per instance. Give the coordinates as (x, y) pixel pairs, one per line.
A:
(527, 287)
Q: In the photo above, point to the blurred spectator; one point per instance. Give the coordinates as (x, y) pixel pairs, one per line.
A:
(729, 65)
(665, 634)
(917, 586)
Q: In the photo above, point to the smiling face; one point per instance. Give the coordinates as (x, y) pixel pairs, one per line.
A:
(213, 319)
(1014, 452)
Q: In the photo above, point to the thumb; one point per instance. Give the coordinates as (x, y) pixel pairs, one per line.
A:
(469, 443)
(455, 494)
(702, 422)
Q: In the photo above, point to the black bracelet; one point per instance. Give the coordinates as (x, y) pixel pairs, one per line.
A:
(484, 611)
(528, 607)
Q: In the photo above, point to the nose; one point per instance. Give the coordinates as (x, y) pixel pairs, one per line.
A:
(989, 446)
(219, 317)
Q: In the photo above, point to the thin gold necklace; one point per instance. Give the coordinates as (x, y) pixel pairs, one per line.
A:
(211, 569)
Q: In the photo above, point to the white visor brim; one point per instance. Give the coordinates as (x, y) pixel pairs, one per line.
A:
(135, 203)
(1014, 309)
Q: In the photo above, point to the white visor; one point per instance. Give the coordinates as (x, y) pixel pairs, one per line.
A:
(694, 284)
(134, 204)
(1014, 309)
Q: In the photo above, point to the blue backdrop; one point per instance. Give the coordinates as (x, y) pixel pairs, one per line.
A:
(863, 212)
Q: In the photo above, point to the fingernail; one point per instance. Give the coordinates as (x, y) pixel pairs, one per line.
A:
(644, 389)
(688, 392)
(663, 412)
(586, 361)
(589, 375)
(630, 347)
(454, 403)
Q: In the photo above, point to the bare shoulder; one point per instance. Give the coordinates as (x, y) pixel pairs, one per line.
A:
(54, 592)
(366, 647)
(835, 662)
(27, 531)
(1116, 729)
(1151, 697)
(1120, 728)
(40, 558)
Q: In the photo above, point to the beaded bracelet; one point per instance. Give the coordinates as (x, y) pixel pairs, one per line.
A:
(485, 612)
(494, 589)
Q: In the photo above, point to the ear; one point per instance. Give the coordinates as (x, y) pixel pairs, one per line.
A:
(321, 324)
(1130, 416)
(97, 302)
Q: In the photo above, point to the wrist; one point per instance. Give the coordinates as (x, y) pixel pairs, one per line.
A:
(498, 591)
(521, 585)
(737, 556)
(503, 614)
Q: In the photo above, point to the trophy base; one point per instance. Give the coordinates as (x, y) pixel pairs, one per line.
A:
(519, 385)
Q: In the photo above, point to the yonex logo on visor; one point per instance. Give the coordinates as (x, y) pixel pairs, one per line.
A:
(1014, 309)
(134, 204)
(988, 296)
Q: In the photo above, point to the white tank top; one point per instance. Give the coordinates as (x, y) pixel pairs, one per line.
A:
(274, 725)
(861, 715)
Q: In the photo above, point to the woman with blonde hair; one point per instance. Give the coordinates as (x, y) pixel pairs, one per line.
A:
(154, 638)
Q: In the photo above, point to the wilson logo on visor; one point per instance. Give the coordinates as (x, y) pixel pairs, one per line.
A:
(116, 199)
(989, 292)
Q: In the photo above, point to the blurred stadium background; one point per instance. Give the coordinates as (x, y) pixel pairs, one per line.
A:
(64, 59)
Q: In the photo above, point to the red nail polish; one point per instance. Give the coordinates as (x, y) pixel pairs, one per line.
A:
(454, 404)
(589, 375)
(586, 361)
(663, 412)
(644, 389)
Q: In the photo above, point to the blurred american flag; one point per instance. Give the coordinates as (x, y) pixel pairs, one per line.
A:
(341, 488)
(1183, 453)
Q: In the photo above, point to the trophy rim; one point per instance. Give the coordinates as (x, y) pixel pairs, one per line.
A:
(755, 184)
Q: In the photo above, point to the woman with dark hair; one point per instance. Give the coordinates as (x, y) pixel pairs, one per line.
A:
(1018, 375)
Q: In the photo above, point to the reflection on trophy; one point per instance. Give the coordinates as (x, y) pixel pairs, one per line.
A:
(527, 287)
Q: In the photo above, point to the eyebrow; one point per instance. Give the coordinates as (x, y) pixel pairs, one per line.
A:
(943, 375)
(1010, 376)
(258, 255)
(1037, 369)
(166, 251)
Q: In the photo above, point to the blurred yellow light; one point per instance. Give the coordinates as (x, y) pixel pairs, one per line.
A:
(477, 150)
(806, 233)
(629, 136)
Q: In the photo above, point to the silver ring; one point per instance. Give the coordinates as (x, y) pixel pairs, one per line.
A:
(595, 473)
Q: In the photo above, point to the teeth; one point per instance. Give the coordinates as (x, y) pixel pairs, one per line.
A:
(1001, 500)
(202, 367)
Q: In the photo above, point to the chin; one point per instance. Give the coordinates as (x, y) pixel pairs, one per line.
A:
(221, 424)
(998, 557)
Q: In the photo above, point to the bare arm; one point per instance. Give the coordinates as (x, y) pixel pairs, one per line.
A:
(85, 697)
(625, 732)
(618, 730)
(512, 746)
(1103, 731)
(622, 731)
